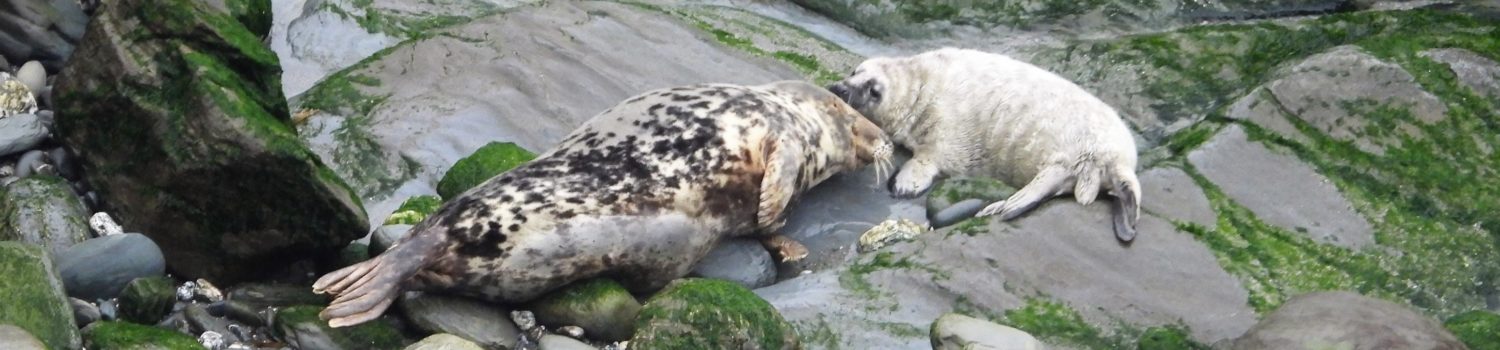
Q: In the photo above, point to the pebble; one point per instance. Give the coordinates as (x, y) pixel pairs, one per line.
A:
(958, 212)
(212, 340)
(260, 296)
(239, 346)
(15, 98)
(623, 345)
(33, 75)
(558, 342)
(21, 132)
(187, 290)
(60, 158)
(738, 260)
(525, 320)
(108, 311)
(29, 162)
(889, 231)
(443, 342)
(104, 225)
(483, 323)
(84, 313)
(99, 268)
(7, 170)
(208, 291)
(574, 332)
(386, 236)
(243, 312)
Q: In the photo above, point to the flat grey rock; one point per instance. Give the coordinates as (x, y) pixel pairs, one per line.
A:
(1345, 320)
(739, 260)
(15, 338)
(1280, 189)
(99, 268)
(1172, 194)
(959, 332)
(443, 341)
(482, 323)
(1333, 91)
(21, 132)
(1481, 74)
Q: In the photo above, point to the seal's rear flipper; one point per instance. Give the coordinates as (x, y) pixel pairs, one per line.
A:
(784, 247)
(363, 291)
(1126, 209)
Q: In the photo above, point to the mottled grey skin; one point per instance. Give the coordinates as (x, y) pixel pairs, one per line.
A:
(639, 194)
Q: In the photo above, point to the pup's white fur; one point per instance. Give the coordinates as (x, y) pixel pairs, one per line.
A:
(972, 113)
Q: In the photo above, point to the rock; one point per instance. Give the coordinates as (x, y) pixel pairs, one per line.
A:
(524, 320)
(1480, 74)
(601, 306)
(482, 323)
(574, 332)
(1479, 329)
(1169, 337)
(1336, 91)
(104, 225)
(354, 253)
(951, 192)
(959, 332)
(99, 268)
(212, 340)
(558, 342)
(207, 291)
(958, 212)
(30, 162)
(1174, 195)
(168, 173)
(738, 260)
(109, 310)
(706, 313)
(34, 76)
(42, 210)
(15, 98)
(44, 30)
(414, 210)
(110, 335)
(493, 159)
(1345, 320)
(386, 236)
(15, 338)
(21, 132)
(583, 57)
(260, 295)
(66, 168)
(444, 342)
(84, 313)
(244, 313)
(1297, 198)
(33, 296)
(890, 231)
(146, 300)
(300, 328)
(200, 320)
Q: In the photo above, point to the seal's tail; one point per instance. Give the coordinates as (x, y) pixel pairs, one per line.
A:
(363, 291)
(1126, 208)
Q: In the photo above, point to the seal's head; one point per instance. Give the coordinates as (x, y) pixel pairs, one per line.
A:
(856, 142)
(888, 90)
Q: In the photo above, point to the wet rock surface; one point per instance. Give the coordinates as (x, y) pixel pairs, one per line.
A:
(42, 210)
(481, 323)
(100, 268)
(33, 296)
(1345, 320)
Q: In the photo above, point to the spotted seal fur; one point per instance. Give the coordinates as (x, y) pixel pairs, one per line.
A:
(639, 193)
(973, 113)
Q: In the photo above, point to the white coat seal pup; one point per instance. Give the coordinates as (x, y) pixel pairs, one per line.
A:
(972, 113)
(639, 193)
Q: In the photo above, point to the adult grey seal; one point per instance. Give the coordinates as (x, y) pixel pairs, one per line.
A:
(639, 193)
(973, 113)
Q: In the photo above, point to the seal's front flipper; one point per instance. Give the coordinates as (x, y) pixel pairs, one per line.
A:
(916, 176)
(364, 291)
(785, 247)
(1047, 184)
(778, 184)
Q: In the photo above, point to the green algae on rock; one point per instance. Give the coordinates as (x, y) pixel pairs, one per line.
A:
(486, 162)
(42, 210)
(699, 313)
(145, 300)
(819, 60)
(33, 296)
(601, 306)
(300, 326)
(117, 335)
(414, 210)
(1167, 338)
(176, 107)
(1479, 329)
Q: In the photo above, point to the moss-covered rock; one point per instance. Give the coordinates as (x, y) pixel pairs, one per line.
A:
(115, 335)
(414, 210)
(492, 159)
(354, 253)
(145, 300)
(1478, 329)
(33, 296)
(1167, 338)
(42, 210)
(300, 327)
(706, 314)
(602, 307)
(259, 295)
(176, 107)
(255, 15)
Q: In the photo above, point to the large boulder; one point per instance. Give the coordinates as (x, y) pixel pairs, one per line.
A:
(710, 314)
(1344, 320)
(603, 308)
(176, 110)
(42, 30)
(33, 296)
(44, 211)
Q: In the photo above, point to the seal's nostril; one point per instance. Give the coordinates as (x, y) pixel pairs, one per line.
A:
(839, 90)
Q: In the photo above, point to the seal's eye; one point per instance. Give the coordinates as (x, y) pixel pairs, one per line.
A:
(875, 92)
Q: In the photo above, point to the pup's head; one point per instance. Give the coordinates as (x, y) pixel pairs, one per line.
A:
(879, 88)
